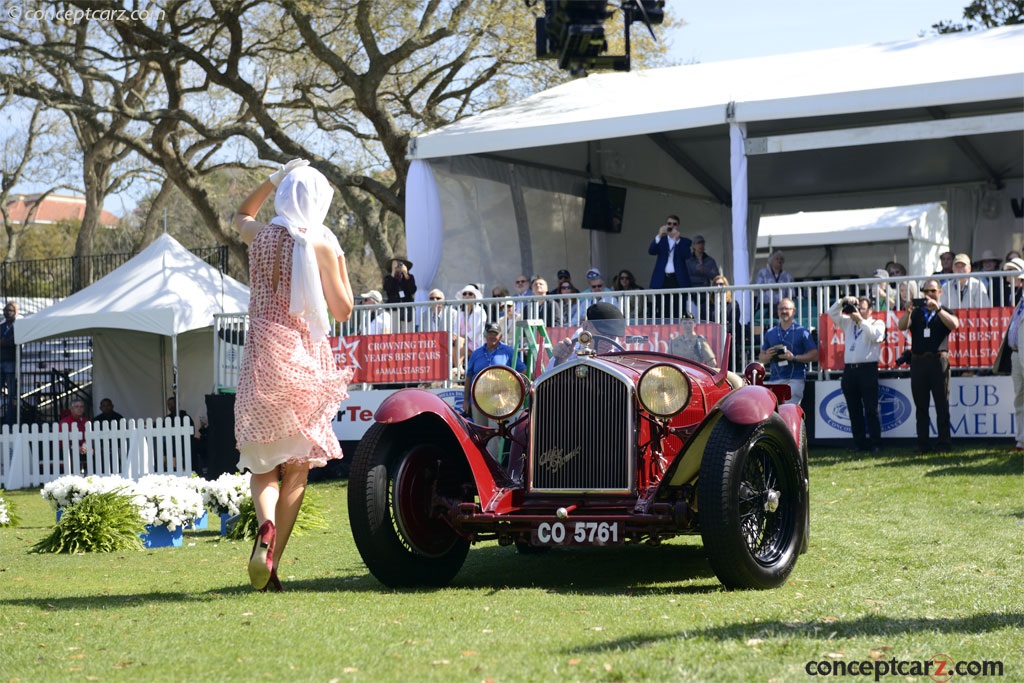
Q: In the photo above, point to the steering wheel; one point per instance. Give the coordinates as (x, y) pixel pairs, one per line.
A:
(609, 340)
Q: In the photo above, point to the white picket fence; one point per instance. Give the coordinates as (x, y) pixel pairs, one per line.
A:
(31, 455)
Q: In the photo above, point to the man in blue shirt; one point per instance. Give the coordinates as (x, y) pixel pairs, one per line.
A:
(493, 352)
(789, 348)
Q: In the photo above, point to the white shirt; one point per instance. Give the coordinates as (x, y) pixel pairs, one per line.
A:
(863, 341)
(670, 266)
(969, 293)
(381, 323)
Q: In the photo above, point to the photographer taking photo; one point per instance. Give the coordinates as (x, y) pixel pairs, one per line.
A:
(863, 336)
(930, 324)
(400, 288)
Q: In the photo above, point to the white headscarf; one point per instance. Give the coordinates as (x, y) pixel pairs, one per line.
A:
(301, 202)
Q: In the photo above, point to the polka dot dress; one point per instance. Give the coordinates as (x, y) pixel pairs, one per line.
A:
(289, 387)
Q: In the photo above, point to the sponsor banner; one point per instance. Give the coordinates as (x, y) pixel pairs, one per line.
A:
(974, 344)
(978, 407)
(409, 357)
(356, 413)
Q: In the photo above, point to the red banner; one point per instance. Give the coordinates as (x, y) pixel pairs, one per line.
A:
(409, 357)
(974, 344)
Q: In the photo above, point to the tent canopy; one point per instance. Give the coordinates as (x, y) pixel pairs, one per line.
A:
(938, 119)
(164, 289)
(158, 304)
(854, 226)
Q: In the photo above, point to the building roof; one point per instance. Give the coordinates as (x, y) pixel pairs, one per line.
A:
(54, 208)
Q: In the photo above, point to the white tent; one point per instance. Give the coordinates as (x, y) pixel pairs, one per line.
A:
(937, 119)
(151, 319)
(855, 242)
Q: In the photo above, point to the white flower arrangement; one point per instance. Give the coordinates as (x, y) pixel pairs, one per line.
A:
(167, 500)
(5, 515)
(226, 494)
(161, 499)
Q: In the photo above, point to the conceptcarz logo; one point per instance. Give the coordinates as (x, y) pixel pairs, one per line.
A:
(894, 408)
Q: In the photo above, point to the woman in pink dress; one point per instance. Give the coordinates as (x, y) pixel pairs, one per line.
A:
(289, 386)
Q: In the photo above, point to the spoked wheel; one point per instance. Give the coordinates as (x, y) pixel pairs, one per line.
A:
(392, 491)
(752, 503)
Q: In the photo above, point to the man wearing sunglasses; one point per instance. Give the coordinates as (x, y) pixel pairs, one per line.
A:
(671, 250)
(930, 324)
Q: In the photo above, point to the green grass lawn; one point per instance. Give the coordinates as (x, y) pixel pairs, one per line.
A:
(910, 557)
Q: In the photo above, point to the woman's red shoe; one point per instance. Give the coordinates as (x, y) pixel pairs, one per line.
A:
(261, 562)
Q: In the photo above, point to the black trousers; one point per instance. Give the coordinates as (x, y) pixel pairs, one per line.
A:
(860, 389)
(929, 379)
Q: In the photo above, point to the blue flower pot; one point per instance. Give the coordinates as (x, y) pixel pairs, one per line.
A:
(60, 511)
(224, 517)
(161, 537)
(202, 522)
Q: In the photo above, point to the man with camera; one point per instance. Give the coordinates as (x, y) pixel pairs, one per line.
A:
(930, 324)
(789, 347)
(864, 337)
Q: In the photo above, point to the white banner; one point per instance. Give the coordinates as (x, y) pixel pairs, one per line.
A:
(978, 407)
(356, 414)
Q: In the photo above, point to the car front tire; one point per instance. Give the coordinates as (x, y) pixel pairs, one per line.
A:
(752, 503)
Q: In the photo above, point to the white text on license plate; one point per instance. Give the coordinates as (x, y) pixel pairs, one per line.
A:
(578, 533)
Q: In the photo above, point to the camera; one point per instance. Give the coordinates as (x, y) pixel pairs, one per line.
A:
(904, 358)
(848, 308)
(919, 303)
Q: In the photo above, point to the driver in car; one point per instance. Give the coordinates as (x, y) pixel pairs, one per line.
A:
(605, 321)
(689, 344)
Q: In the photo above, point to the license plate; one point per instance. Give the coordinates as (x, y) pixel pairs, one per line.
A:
(577, 533)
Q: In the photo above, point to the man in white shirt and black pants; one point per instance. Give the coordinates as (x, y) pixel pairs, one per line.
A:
(864, 337)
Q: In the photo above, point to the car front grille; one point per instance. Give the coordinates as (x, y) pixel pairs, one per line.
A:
(582, 432)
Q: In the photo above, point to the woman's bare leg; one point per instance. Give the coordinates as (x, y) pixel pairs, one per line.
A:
(293, 489)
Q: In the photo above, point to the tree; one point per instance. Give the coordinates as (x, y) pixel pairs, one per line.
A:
(982, 14)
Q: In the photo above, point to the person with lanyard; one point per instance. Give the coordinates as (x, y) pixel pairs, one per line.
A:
(789, 347)
(8, 358)
(930, 324)
(492, 352)
(1008, 360)
(670, 271)
(859, 383)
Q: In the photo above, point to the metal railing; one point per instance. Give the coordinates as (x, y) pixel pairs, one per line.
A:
(746, 311)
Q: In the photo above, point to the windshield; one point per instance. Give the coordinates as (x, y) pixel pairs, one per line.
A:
(701, 342)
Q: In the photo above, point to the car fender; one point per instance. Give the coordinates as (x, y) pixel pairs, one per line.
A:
(406, 404)
(793, 415)
(747, 405)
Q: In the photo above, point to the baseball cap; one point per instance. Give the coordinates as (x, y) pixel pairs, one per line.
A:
(564, 273)
(881, 272)
(491, 327)
(698, 238)
(593, 274)
(962, 258)
(373, 294)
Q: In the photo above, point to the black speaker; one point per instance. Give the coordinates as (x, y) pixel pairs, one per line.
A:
(219, 442)
(603, 207)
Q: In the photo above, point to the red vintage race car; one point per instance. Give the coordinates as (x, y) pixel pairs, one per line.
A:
(607, 448)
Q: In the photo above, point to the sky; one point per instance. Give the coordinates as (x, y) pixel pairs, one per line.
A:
(718, 30)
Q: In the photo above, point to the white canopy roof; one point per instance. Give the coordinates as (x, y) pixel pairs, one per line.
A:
(164, 290)
(854, 226)
(937, 71)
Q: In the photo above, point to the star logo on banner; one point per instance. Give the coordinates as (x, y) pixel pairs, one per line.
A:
(345, 353)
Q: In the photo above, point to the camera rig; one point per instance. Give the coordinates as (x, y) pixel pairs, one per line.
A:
(572, 31)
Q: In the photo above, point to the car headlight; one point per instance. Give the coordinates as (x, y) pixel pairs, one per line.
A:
(499, 391)
(664, 390)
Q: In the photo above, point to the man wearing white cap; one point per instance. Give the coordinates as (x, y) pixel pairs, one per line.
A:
(375, 320)
(964, 292)
(1012, 289)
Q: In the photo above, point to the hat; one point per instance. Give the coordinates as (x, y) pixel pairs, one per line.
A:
(962, 258)
(880, 272)
(471, 289)
(1014, 264)
(508, 302)
(407, 262)
(593, 274)
(987, 255)
(373, 294)
(686, 317)
(697, 238)
(564, 273)
(492, 327)
(607, 319)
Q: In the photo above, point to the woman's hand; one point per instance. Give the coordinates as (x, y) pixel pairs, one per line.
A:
(277, 176)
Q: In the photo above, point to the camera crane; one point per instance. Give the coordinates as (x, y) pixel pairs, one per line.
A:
(572, 31)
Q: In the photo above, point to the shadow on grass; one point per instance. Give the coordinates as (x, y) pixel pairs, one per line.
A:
(961, 461)
(868, 625)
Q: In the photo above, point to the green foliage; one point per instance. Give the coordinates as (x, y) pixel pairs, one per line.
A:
(982, 14)
(101, 522)
(311, 518)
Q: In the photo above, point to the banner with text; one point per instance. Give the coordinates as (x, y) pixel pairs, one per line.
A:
(974, 344)
(392, 358)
